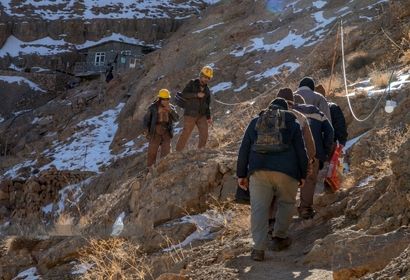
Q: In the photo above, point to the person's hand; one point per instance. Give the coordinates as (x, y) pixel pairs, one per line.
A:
(201, 94)
(210, 122)
(243, 183)
(302, 183)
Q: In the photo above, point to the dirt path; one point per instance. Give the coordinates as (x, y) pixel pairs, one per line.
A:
(287, 264)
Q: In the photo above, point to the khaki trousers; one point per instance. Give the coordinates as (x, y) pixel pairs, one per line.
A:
(308, 190)
(189, 125)
(264, 185)
(161, 138)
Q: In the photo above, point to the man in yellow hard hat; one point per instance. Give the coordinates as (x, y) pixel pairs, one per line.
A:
(158, 125)
(197, 99)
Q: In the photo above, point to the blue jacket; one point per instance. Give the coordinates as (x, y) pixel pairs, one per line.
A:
(322, 130)
(292, 162)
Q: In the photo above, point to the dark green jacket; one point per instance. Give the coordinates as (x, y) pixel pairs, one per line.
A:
(151, 118)
(195, 106)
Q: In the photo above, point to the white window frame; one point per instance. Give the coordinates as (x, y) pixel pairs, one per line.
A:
(99, 58)
(126, 52)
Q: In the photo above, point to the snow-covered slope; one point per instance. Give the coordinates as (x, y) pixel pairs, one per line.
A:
(92, 9)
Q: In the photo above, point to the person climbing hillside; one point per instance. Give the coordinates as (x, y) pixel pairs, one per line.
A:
(338, 119)
(158, 126)
(273, 155)
(287, 94)
(323, 134)
(333, 178)
(197, 101)
(307, 91)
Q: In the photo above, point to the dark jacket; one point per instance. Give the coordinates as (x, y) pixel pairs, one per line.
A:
(195, 106)
(292, 162)
(339, 123)
(151, 117)
(321, 128)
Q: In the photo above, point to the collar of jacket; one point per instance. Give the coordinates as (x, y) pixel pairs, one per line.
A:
(305, 88)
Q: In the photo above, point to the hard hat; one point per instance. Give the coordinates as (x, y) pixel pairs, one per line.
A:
(164, 93)
(207, 71)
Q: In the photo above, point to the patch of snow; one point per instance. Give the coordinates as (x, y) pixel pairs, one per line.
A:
(211, 2)
(70, 195)
(322, 22)
(275, 6)
(2, 119)
(221, 87)
(48, 208)
(319, 4)
(13, 171)
(365, 181)
(15, 68)
(93, 9)
(258, 44)
(290, 66)
(366, 18)
(81, 268)
(18, 113)
(45, 46)
(207, 28)
(118, 225)
(242, 87)
(117, 37)
(21, 80)
(89, 147)
(38, 69)
(37, 119)
(353, 141)
(260, 22)
(28, 274)
(205, 224)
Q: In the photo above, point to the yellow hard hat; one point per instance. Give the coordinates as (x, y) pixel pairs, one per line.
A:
(207, 71)
(164, 93)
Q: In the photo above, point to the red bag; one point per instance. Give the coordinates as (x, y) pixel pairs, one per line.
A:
(332, 177)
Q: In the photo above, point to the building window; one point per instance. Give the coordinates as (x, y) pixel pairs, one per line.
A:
(126, 52)
(99, 58)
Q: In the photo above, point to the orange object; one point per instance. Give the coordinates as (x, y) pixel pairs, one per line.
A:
(332, 177)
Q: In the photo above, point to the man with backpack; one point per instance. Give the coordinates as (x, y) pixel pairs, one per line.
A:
(273, 155)
(158, 126)
(196, 100)
(322, 132)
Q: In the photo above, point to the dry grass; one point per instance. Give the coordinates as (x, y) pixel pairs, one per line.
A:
(63, 226)
(114, 259)
(405, 59)
(335, 85)
(380, 79)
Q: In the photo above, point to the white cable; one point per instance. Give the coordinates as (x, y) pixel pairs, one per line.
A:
(345, 82)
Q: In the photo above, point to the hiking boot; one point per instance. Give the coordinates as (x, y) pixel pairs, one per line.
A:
(257, 255)
(279, 244)
(307, 214)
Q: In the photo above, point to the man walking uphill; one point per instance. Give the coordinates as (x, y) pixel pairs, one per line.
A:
(158, 125)
(273, 154)
(197, 99)
(307, 91)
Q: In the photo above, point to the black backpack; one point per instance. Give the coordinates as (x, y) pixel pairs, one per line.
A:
(268, 128)
(180, 100)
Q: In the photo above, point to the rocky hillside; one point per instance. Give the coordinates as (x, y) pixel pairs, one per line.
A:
(76, 201)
